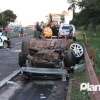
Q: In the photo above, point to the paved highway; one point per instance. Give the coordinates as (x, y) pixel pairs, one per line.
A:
(28, 89)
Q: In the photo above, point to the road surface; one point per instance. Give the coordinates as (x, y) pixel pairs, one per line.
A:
(27, 89)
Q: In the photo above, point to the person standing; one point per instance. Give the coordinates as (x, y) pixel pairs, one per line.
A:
(21, 32)
(37, 31)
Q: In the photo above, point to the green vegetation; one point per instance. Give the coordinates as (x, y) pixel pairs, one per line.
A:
(88, 15)
(95, 43)
(82, 77)
(78, 78)
(87, 19)
(76, 94)
(6, 17)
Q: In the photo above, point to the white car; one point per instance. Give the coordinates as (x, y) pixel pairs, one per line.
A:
(3, 40)
(67, 30)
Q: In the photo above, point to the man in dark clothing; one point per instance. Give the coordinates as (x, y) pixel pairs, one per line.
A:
(21, 32)
(38, 27)
(38, 31)
(55, 30)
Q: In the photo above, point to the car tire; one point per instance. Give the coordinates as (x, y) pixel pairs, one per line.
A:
(77, 49)
(5, 44)
(69, 59)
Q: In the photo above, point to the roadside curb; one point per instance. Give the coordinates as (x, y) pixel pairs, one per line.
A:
(68, 97)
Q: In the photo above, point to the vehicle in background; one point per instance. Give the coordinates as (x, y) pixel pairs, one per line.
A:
(67, 30)
(4, 41)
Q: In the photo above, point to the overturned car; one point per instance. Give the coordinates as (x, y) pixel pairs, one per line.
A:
(50, 53)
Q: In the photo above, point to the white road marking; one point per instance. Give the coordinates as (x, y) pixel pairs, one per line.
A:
(17, 51)
(0, 74)
(42, 96)
(18, 43)
(12, 83)
(5, 80)
(9, 92)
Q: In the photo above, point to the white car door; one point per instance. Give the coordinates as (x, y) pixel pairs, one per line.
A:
(2, 39)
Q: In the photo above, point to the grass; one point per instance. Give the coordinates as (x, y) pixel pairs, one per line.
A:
(78, 78)
(95, 43)
(76, 94)
(82, 76)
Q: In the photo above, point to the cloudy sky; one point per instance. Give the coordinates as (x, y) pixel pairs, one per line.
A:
(29, 11)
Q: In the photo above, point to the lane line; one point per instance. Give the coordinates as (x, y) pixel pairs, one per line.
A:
(9, 77)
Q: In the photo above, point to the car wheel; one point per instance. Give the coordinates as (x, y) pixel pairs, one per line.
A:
(69, 59)
(77, 49)
(5, 44)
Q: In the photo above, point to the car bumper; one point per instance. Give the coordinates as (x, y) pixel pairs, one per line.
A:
(1, 44)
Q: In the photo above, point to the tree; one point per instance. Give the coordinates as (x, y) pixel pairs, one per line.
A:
(6, 17)
(73, 5)
(89, 14)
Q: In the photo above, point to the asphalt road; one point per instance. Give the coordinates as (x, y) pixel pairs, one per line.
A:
(41, 90)
(31, 90)
(9, 57)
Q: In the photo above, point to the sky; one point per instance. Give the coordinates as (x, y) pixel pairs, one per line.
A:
(30, 11)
